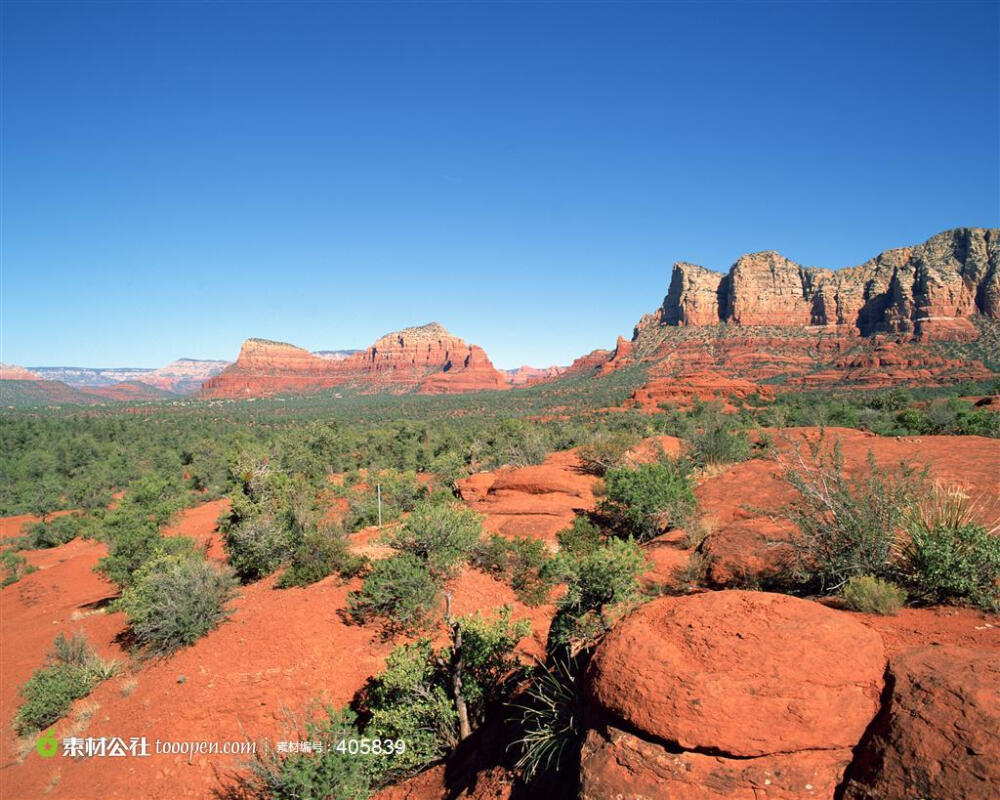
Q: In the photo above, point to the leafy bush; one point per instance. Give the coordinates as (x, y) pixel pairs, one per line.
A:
(72, 670)
(401, 590)
(642, 502)
(441, 535)
(14, 566)
(320, 553)
(948, 556)
(871, 595)
(329, 773)
(848, 526)
(521, 561)
(175, 600)
(257, 546)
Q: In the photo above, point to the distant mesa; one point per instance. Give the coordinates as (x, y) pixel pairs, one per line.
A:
(425, 359)
(523, 376)
(12, 372)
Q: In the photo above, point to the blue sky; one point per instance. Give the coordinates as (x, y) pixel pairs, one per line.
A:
(178, 177)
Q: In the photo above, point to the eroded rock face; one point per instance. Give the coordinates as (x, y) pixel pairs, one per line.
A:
(426, 359)
(724, 691)
(953, 275)
(939, 733)
(12, 372)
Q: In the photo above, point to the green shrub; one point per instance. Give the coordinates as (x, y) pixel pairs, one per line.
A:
(401, 493)
(330, 773)
(174, 601)
(644, 501)
(72, 670)
(133, 540)
(13, 567)
(319, 554)
(598, 584)
(54, 532)
(257, 546)
(871, 595)
(582, 537)
(849, 526)
(400, 590)
(522, 562)
(954, 564)
(441, 535)
(720, 443)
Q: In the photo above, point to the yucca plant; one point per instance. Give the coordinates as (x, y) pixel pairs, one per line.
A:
(550, 719)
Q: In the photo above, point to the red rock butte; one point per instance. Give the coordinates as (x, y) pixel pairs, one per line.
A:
(425, 359)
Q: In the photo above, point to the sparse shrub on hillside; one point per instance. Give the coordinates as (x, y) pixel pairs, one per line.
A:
(319, 554)
(71, 671)
(257, 546)
(133, 540)
(948, 556)
(175, 600)
(13, 567)
(644, 501)
(607, 450)
(330, 773)
(441, 535)
(871, 595)
(399, 590)
(521, 562)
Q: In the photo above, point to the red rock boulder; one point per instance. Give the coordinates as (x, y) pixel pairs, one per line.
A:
(939, 733)
(744, 689)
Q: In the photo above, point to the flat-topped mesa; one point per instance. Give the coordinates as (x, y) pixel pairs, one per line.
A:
(935, 286)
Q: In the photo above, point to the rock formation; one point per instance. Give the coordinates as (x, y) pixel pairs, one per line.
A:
(938, 734)
(525, 375)
(921, 289)
(729, 694)
(426, 359)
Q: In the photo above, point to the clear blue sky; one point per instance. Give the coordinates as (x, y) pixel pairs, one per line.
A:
(180, 176)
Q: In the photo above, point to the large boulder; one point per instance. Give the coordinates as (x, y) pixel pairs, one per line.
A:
(744, 689)
(619, 764)
(938, 735)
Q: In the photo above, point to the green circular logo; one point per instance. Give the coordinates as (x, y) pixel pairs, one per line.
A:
(47, 745)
